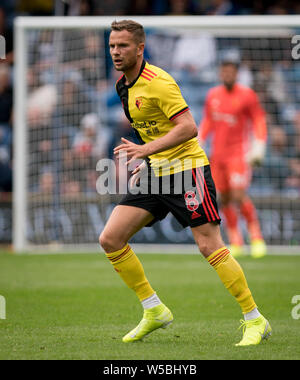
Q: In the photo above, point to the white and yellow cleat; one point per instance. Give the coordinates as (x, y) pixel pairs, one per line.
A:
(156, 317)
(258, 248)
(254, 331)
(236, 250)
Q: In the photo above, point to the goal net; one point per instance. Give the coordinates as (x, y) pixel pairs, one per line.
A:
(68, 118)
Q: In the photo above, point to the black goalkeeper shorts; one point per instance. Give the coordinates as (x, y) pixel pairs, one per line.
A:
(190, 196)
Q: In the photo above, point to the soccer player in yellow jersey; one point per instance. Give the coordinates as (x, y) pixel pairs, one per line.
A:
(167, 132)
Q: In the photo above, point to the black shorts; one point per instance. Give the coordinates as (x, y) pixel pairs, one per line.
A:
(190, 197)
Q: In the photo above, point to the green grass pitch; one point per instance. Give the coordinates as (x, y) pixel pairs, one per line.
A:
(74, 306)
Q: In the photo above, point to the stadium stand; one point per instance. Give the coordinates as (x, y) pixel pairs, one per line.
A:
(78, 129)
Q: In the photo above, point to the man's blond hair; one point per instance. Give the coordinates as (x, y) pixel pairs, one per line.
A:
(132, 27)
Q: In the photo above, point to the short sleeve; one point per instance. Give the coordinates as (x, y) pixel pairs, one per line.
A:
(165, 93)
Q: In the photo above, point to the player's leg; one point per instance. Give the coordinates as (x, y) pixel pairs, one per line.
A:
(207, 235)
(230, 213)
(123, 223)
(248, 211)
(240, 178)
(210, 243)
(221, 176)
(206, 231)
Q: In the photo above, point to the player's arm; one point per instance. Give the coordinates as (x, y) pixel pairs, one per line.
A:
(184, 129)
(259, 128)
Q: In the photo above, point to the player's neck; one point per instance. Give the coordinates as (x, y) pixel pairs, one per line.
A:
(133, 72)
(229, 87)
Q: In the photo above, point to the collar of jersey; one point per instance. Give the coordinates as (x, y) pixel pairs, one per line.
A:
(141, 70)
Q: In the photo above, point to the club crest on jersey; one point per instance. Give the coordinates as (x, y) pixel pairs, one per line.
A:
(139, 102)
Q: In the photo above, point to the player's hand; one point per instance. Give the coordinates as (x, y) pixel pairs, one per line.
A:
(135, 175)
(256, 162)
(132, 150)
(257, 153)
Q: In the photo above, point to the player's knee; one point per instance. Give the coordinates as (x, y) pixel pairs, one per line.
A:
(225, 199)
(204, 248)
(106, 242)
(203, 244)
(110, 243)
(209, 240)
(238, 196)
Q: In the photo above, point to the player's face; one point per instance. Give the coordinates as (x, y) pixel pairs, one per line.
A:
(228, 75)
(124, 50)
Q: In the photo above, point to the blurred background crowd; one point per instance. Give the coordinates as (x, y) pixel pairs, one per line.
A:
(75, 117)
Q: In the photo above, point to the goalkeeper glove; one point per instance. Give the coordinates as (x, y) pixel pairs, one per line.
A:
(257, 152)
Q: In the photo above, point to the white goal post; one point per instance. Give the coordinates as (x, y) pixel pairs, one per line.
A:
(279, 212)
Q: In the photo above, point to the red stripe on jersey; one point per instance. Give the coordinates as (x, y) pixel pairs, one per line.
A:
(145, 77)
(179, 113)
(119, 78)
(151, 72)
(149, 75)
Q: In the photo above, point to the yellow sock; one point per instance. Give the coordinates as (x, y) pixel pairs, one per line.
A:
(131, 271)
(232, 276)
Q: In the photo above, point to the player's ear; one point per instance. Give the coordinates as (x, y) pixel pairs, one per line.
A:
(141, 48)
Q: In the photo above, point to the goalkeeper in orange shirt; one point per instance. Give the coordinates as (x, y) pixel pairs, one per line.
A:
(237, 123)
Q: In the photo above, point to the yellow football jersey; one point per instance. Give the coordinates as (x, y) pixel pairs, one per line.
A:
(150, 103)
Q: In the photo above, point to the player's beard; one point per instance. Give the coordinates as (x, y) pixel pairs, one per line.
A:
(126, 66)
(229, 85)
